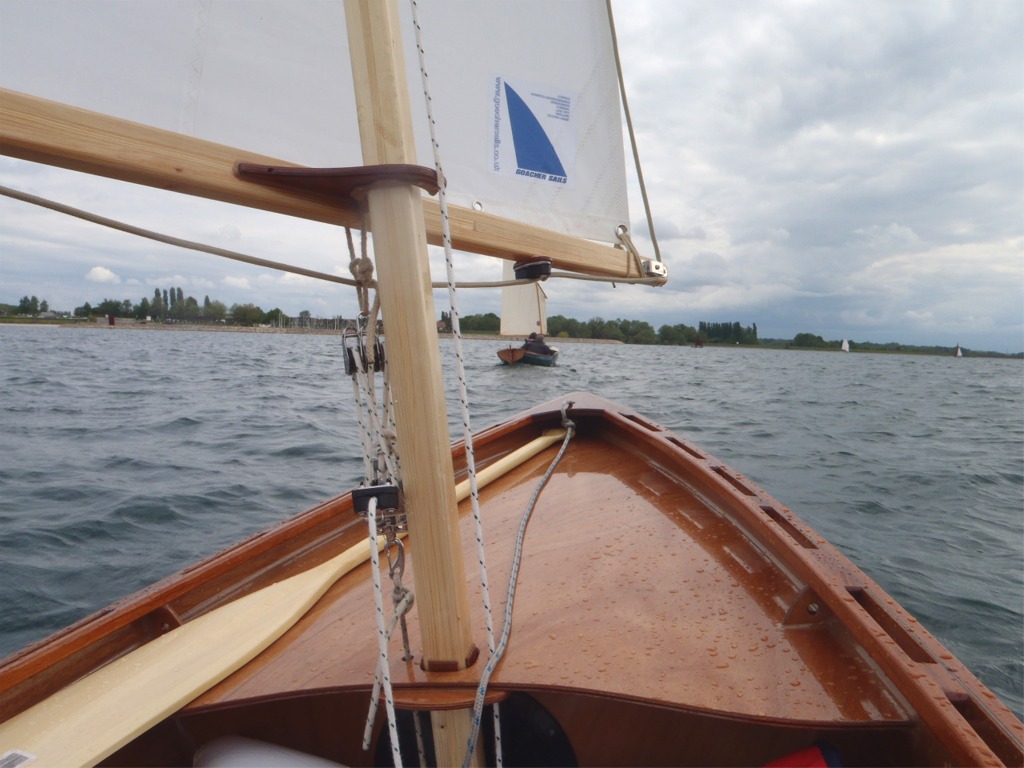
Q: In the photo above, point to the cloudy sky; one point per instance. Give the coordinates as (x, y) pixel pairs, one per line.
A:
(849, 168)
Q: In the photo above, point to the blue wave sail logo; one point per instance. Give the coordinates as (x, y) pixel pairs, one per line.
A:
(537, 124)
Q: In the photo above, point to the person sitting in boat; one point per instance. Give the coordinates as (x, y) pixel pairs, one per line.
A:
(535, 344)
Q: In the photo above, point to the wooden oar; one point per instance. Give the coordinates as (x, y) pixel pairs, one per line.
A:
(97, 715)
(507, 463)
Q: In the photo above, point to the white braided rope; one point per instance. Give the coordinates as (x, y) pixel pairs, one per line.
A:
(403, 600)
(383, 667)
(380, 464)
(374, 439)
(364, 428)
(459, 363)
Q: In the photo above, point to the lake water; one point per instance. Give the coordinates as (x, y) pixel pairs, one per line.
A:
(128, 454)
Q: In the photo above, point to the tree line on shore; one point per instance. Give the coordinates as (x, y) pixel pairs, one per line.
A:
(171, 305)
(714, 333)
(625, 331)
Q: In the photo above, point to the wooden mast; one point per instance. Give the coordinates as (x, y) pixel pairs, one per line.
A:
(414, 364)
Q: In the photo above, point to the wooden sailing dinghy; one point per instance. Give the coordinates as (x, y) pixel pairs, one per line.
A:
(510, 355)
(524, 314)
(666, 610)
(668, 613)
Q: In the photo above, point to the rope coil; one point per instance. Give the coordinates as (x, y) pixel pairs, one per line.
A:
(403, 604)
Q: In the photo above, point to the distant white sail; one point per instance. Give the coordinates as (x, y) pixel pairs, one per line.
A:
(524, 92)
(846, 346)
(523, 307)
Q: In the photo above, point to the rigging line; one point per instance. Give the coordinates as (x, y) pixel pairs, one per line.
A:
(601, 279)
(506, 629)
(402, 601)
(632, 134)
(191, 245)
(383, 666)
(168, 239)
(489, 283)
(460, 365)
(256, 261)
(558, 275)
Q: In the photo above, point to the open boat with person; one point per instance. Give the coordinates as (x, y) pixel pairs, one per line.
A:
(660, 608)
(545, 359)
(524, 313)
(534, 351)
(538, 352)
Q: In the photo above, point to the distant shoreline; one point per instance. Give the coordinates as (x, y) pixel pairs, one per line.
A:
(205, 327)
(209, 328)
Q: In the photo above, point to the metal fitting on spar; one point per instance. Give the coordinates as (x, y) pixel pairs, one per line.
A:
(654, 268)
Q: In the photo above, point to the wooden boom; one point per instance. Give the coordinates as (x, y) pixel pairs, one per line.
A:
(55, 134)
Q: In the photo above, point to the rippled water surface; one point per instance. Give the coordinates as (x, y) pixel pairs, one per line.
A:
(129, 454)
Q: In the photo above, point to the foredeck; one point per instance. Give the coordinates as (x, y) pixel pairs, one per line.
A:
(634, 584)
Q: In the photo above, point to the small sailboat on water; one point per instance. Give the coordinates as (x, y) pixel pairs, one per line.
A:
(958, 352)
(667, 611)
(524, 314)
(845, 346)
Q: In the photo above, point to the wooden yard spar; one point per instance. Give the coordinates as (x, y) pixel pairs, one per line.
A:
(43, 131)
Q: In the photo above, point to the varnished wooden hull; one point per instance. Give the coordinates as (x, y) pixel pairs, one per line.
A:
(514, 355)
(511, 355)
(668, 613)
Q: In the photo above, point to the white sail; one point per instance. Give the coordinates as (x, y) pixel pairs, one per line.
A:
(523, 307)
(532, 92)
(274, 78)
(846, 346)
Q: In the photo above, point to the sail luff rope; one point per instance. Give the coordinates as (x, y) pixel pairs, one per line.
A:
(506, 629)
(632, 134)
(459, 363)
